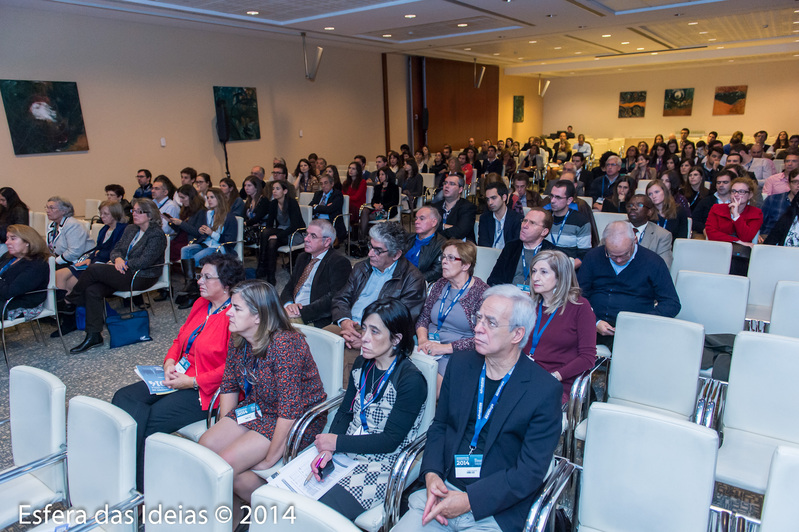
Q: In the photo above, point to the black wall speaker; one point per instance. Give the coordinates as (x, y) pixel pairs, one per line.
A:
(222, 122)
(425, 118)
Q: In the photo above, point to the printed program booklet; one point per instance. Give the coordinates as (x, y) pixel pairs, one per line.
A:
(153, 377)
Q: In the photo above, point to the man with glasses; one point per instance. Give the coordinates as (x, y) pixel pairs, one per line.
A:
(169, 209)
(143, 177)
(774, 206)
(602, 187)
(513, 264)
(497, 424)
(387, 273)
(722, 195)
(423, 248)
(649, 234)
(623, 276)
(320, 272)
(457, 213)
(778, 183)
(571, 230)
(328, 204)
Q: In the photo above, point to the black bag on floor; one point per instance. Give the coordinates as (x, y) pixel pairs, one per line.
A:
(129, 328)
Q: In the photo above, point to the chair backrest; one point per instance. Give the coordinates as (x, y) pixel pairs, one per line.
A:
(485, 261)
(762, 386)
(779, 506)
(239, 238)
(205, 480)
(38, 221)
(785, 309)
(370, 193)
(767, 265)
(604, 218)
(307, 214)
(327, 350)
(626, 448)
(310, 514)
(94, 233)
(50, 303)
(701, 256)
(37, 406)
(429, 368)
(588, 199)
(92, 208)
(305, 198)
(656, 363)
(345, 211)
(716, 301)
(429, 179)
(102, 454)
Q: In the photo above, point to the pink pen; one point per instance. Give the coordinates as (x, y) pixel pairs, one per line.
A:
(310, 475)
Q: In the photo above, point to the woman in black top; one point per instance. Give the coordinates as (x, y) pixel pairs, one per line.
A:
(386, 195)
(624, 190)
(23, 269)
(282, 219)
(12, 211)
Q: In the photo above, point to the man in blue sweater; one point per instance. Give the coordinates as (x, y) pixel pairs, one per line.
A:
(623, 276)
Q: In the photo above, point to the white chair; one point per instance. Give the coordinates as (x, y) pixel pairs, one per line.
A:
(785, 309)
(782, 492)
(38, 443)
(164, 281)
(305, 198)
(49, 310)
(92, 208)
(628, 448)
(604, 218)
(701, 256)
(101, 463)
(295, 243)
(205, 481)
(370, 193)
(345, 217)
(588, 199)
(759, 410)
(641, 189)
(767, 265)
(39, 221)
(294, 512)
(715, 301)
(485, 261)
(238, 243)
(428, 179)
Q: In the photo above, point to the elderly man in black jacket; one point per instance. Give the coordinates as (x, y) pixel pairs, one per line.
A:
(423, 248)
(385, 274)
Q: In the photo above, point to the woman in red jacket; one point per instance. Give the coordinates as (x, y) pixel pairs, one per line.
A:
(736, 222)
(355, 187)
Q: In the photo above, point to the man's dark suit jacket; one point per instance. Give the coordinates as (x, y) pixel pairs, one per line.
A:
(492, 167)
(331, 275)
(505, 267)
(523, 432)
(335, 204)
(461, 218)
(486, 231)
(429, 256)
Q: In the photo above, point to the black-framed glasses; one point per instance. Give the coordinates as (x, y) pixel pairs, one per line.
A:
(137, 211)
(378, 251)
(204, 277)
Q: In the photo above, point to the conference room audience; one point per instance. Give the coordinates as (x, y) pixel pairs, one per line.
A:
(513, 263)
(778, 183)
(23, 268)
(269, 371)
(669, 215)
(673, 180)
(641, 170)
(523, 197)
(602, 186)
(694, 188)
(722, 195)
(617, 203)
(786, 231)
(305, 179)
(161, 191)
(737, 222)
(145, 189)
(775, 206)
(67, 238)
(413, 184)
(445, 323)
(255, 203)
(571, 230)
(563, 339)
(423, 246)
(193, 215)
(193, 365)
(116, 193)
(328, 204)
(282, 219)
(216, 233)
(381, 412)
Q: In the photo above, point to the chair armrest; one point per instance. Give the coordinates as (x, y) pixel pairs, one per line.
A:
(211, 414)
(577, 407)
(19, 471)
(231, 243)
(396, 207)
(120, 508)
(136, 272)
(4, 421)
(303, 422)
(12, 298)
(398, 480)
(550, 492)
(291, 240)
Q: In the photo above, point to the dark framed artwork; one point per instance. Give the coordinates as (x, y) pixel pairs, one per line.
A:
(678, 102)
(241, 104)
(632, 104)
(44, 116)
(518, 109)
(730, 100)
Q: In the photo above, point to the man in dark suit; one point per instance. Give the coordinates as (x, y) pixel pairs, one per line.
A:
(319, 274)
(327, 205)
(513, 264)
(423, 248)
(497, 424)
(457, 213)
(492, 164)
(498, 224)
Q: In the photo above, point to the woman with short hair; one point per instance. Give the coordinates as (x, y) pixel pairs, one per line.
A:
(67, 238)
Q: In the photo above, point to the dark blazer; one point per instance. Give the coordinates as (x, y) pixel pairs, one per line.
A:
(295, 216)
(429, 256)
(522, 435)
(23, 276)
(505, 267)
(148, 250)
(487, 228)
(334, 207)
(495, 167)
(461, 218)
(331, 275)
(102, 251)
(387, 199)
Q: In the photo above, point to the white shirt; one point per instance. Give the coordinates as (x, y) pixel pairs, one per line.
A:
(170, 208)
(499, 231)
(304, 295)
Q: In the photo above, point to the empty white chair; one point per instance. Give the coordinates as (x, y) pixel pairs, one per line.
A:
(604, 218)
(370, 193)
(39, 221)
(92, 208)
(294, 512)
(782, 492)
(305, 198)
(485, 261)
(38, 436)
(767, 265)
(164, 281)
(345, 218)
(701, 256)
(785, 309)
(716, 301)
(429, 180)
(759, 410)
(179, 472)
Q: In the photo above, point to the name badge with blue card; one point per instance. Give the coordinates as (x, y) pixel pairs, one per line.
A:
(468, 465)
(183, 365)
(245, 414)
(524, 287)
(433, 337)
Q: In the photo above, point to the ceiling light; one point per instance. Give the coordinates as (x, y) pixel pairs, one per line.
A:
(577, 53)
(386, 35)
(626, 42)
(796, 21)
(732, 60)
(462, 25)
(654, 53)
(702, 33)
(467, 49)
(558, 47)
(253, 13)
(693, 23)
(520, 58)
(711, 40)
(329, 28)
(719, 47)
(497, 53)
(532, 42)
(410, 16)
(607, 35)
(639, 49)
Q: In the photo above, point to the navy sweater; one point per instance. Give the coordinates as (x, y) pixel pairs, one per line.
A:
(644, 286)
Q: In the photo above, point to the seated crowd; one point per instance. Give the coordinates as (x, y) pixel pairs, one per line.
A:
(508, 347)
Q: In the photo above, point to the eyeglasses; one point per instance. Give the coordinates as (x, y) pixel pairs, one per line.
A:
(740, 192)
(138, 176)
(204, 277)
(450, 258)
(312, 236)
(558, 197)
(490, 323)
(51, 208)
(137, 211)
(378, 251)
(620, 256)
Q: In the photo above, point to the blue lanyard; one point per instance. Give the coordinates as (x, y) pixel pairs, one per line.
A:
(562, 225)
(7, 266)
(663, 224)
(525, 269)
(481, 420)
(247, 385)
(442, 314)
(538, 331)
(193, 336)
(382, 382)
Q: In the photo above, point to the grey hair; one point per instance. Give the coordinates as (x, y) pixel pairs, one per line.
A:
(617, 230)
(461, 179)
(614, 157)
(328, 231)
(64, 204)
(432, 210)
(391, 234)
(523, 313)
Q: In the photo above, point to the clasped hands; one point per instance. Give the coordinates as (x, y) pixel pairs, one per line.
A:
(174, 379)
(443, 504)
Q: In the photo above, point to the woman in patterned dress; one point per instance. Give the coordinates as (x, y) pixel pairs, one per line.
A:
(381, 411)
(270, 380)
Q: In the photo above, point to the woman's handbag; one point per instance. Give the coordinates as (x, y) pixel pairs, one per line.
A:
(129, 328)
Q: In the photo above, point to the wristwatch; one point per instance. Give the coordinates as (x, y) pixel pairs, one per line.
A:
(195, 384)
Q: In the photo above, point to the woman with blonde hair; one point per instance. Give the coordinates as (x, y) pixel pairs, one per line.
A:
(670, 216)
(24, 268)
(563, 340)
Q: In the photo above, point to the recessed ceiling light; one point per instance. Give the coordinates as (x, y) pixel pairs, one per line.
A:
(711, 40)
(577, 53)
(702, 33)
(719, 47)
(329, 28)
(732, 60)
(496, 53)
(796, 55)
(795, 31)
(520, 58)
(693, 23)
(253, 13)
(607, 35)
(621, 69)
(387, 35)
(626, 42)
(551, 16)
(532, 42)
(468, 49)
(571, 72)
(543, 63)
(558, 47)
(796, 21)
(654, 53)
(462, 25)
(410, 16)
(639, 49)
